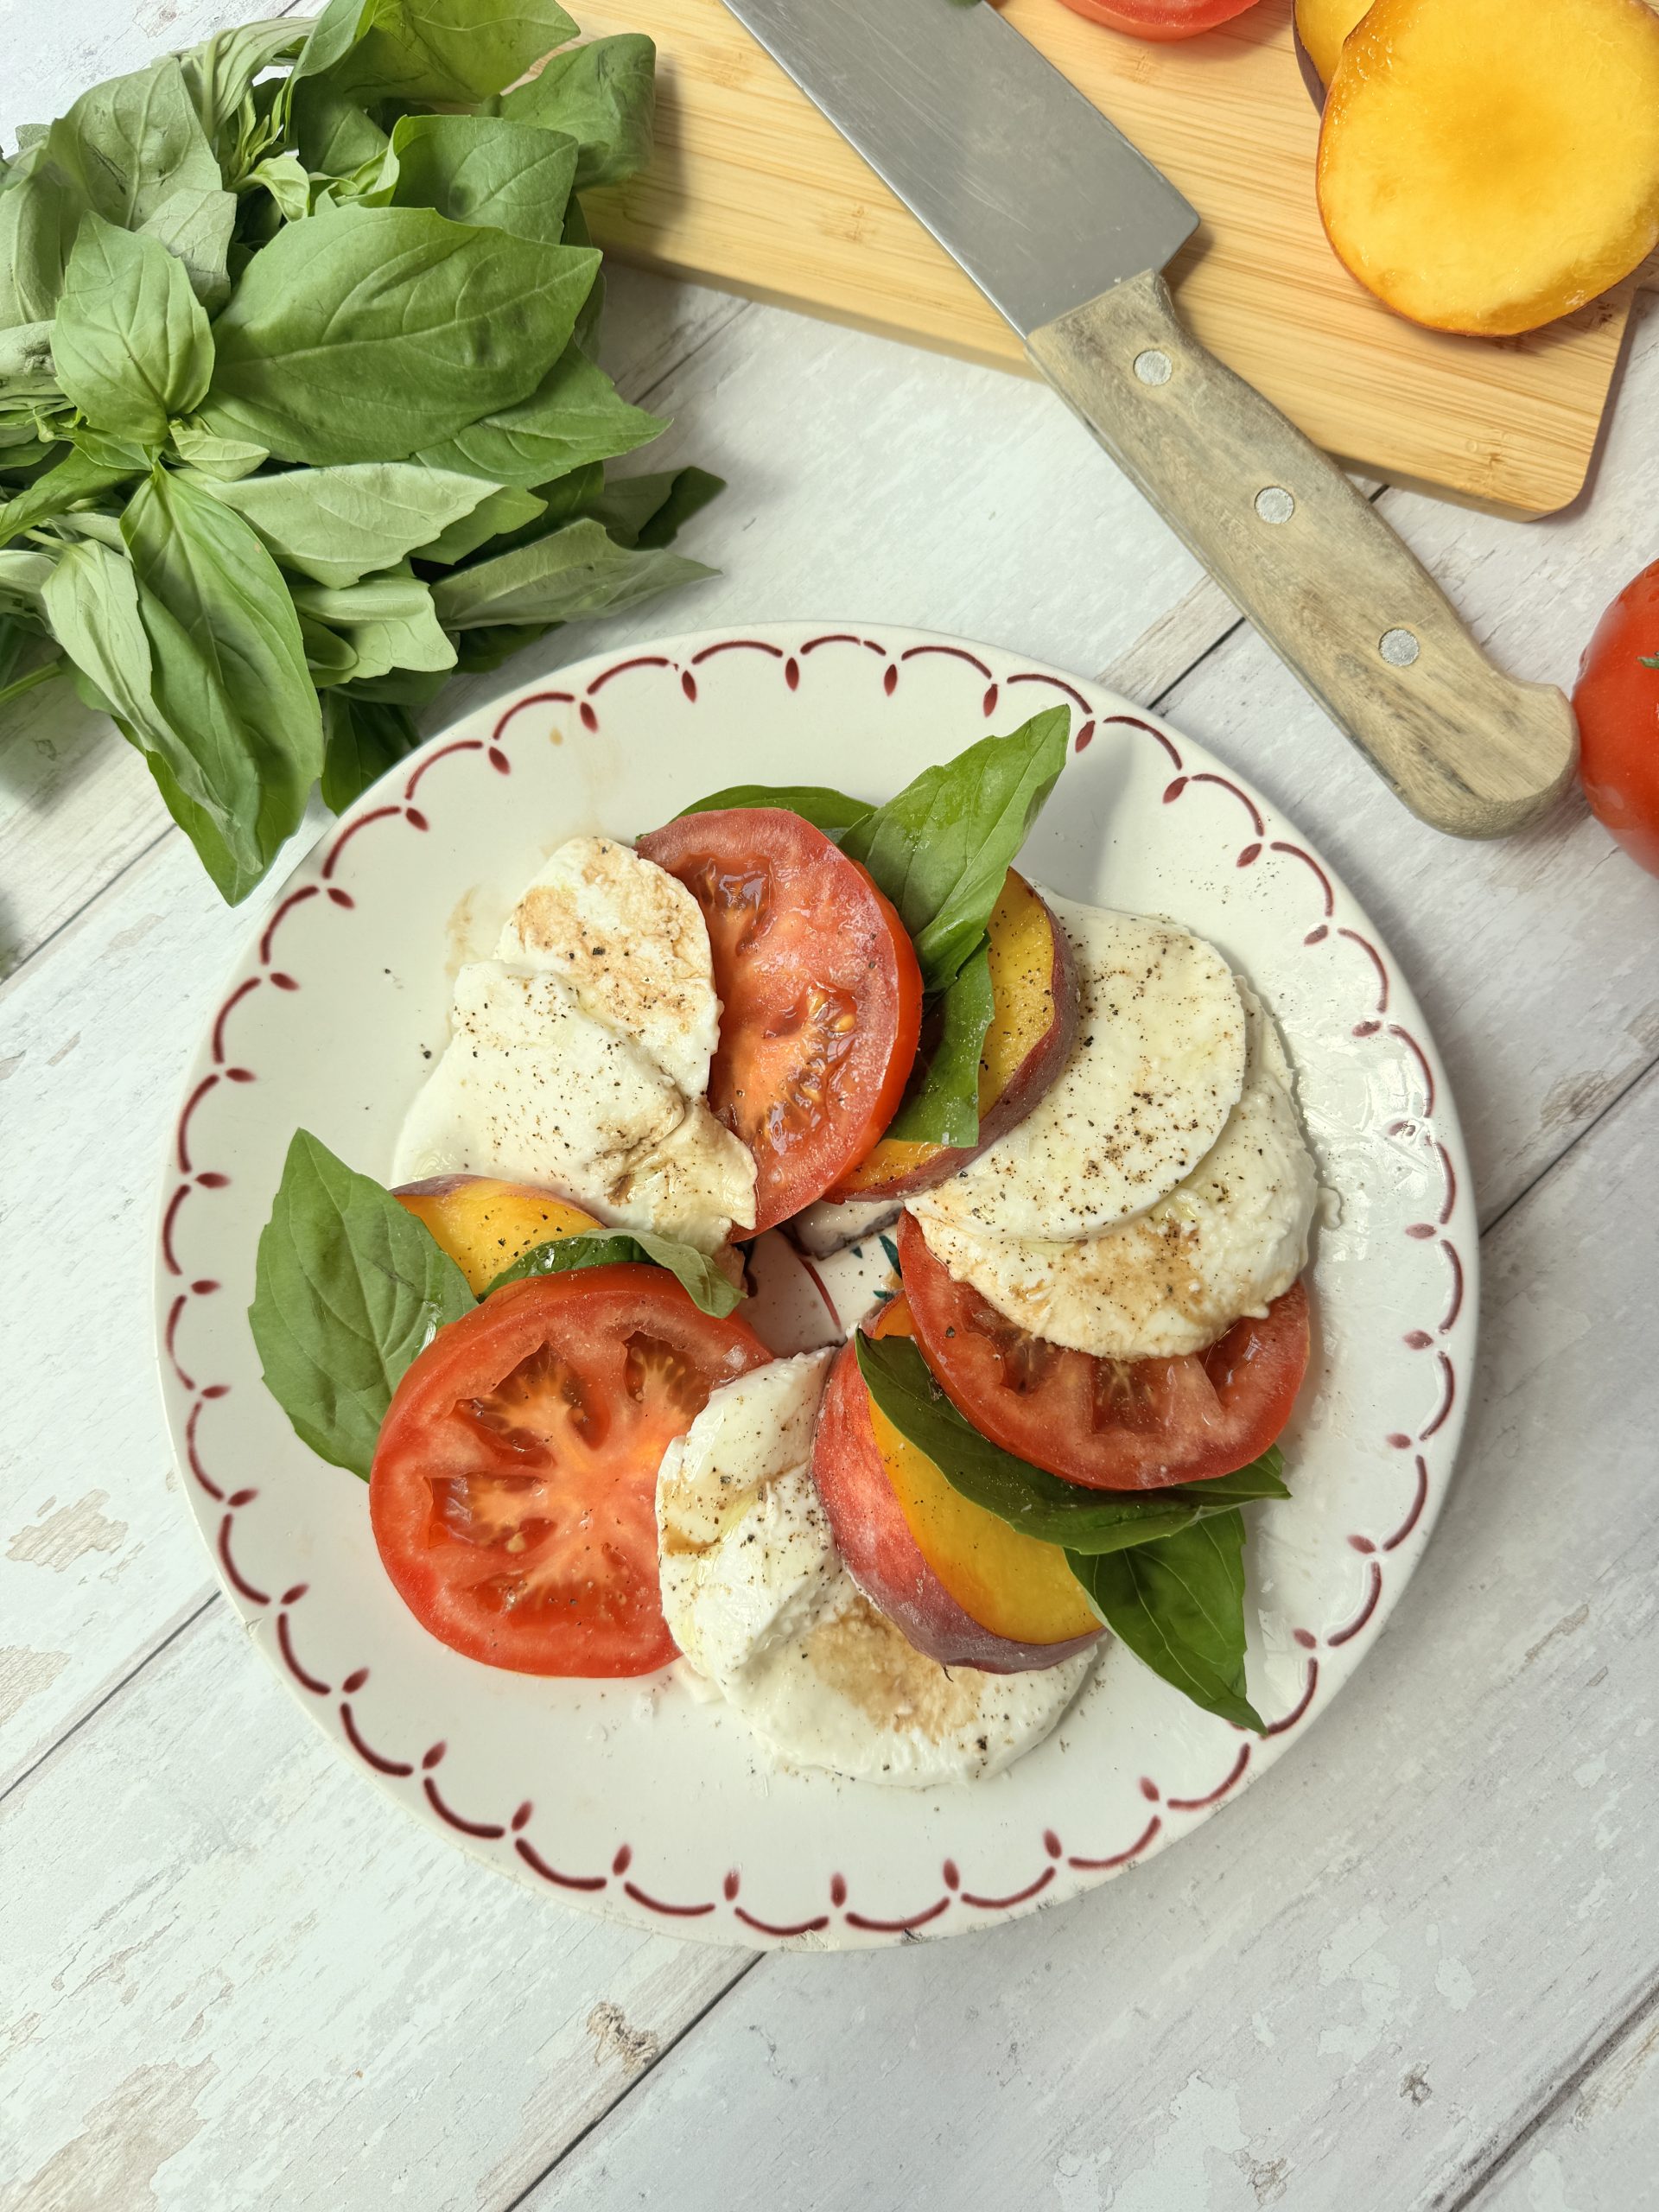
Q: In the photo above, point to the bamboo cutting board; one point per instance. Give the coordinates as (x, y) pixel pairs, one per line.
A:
(750, 188)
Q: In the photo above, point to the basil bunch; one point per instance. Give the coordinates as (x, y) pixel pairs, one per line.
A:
(298, 407)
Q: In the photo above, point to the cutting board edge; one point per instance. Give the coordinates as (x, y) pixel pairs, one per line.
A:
(1460, 493)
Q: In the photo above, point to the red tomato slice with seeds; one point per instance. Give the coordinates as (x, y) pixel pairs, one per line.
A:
(1108, 1424)
(513, 1489)
(821, 994)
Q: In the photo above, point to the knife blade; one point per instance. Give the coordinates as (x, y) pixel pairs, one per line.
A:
(1065, 226)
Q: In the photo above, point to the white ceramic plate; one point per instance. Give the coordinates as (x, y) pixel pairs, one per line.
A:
(632, 1799)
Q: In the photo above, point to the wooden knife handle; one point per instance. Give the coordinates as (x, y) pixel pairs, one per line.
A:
(1313, 565)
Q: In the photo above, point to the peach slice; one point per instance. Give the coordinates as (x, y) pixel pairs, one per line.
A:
(1485, 167)
(485, 1225)
(1033, 1020)
(1321, 27)
(962, 1586)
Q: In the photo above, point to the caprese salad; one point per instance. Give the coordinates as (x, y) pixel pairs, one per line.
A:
(1058, 1148)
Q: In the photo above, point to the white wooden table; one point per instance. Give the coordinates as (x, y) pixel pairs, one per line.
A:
(1419, 1967)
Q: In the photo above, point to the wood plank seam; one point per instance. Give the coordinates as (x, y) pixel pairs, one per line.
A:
(215, 1596)
(1639, 1076)
(645, 2073)
(1645, 2006)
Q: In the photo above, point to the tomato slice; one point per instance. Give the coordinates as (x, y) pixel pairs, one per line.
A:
(513, 1489)
(1161, 19)
(1109, 1424)
(820, 991)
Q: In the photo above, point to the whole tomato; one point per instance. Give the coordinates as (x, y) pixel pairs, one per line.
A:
(1617, 701)
(1161, 19)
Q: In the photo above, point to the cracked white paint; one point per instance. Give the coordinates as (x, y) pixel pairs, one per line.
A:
(1197, 2146)
(1547, 2185)
(1455, 1983)
(1352, 1954)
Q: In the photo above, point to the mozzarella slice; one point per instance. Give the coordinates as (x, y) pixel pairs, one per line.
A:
(850, 1694)
(535, 1088)
(745, 1550)
(629, 942)
(1228, 1239)
(1158, 1067)
(756, 1597)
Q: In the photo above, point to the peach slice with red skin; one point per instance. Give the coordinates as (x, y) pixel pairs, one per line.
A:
(1034, 1021)
(484, 1224)
(1486, 168)
(964, 1587)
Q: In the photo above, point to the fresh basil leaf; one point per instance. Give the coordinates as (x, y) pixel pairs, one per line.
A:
(577, 233)
(576, 415)
(1035, 1502)
(1263, 1478)
(96, 616)
(829, 811)
(332, 135)
(19, 641)
(287, 181)
(227, 459)
(219, 73)
(941, 1101)
(330, 656)
(338, 524)
(652, 511)
(500, 513)
(40, 212)
(130, 343)
(362, 738)
(15, 640)
(1179, 1603)
(91, 597)
(389, 621)
(477, 652)
(348, 1288)
(505, 176)
(368, 332)
(26, 370)
(707, 1287)
(24, 573)
(419, 50)
(372, 50)
(134, 150)
(131, 456)
(229, 682)
(573, 571)
(603, 95)
(400, 687)
(75, 477)
(941, 850)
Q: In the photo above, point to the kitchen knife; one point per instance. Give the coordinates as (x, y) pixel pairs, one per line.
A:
(1066, 227)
